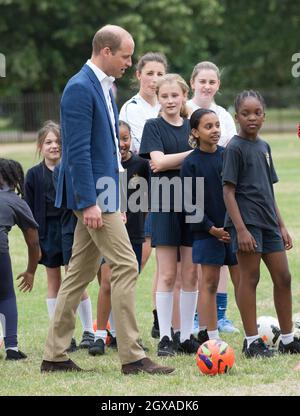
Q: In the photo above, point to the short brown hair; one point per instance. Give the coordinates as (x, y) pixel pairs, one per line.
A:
(106, 38)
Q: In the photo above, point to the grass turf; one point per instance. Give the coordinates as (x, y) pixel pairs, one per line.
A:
(248, 377)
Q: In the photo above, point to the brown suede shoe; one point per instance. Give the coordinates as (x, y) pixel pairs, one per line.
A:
(49, 366)
(145, 365)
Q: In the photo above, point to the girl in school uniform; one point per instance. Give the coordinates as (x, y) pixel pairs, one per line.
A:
(205, 83)
(165, 143)
(14, 210)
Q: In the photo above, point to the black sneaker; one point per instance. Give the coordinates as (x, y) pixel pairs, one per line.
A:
(155, 327)
(291, 348)
(165, 347)
(189, 346)
(73, 347)
(257, 349)
(87, 339)
(202, 336)
(176, 340)
(15, 355)
(244, 346)
(97, 348)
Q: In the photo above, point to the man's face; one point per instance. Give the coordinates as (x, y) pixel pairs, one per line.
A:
(119, 61)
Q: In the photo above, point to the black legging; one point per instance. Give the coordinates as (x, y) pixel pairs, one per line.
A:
(8, 304)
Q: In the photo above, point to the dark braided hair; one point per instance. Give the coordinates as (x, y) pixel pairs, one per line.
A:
(246, 94)
(12, 175)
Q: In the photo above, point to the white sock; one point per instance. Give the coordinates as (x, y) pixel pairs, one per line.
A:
(85, 313)
(112, 325)
(251, 339)
(51, 302)
(213, 334)
(164, 307)
(287, 338)
(12, 349)
(100, 334)
(188, 302)
(202, 328)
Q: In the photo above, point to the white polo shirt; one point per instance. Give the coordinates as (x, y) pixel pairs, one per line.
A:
(136, 112)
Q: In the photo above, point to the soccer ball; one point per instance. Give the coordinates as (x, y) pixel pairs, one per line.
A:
(215, 357)
(1, 336)
(296, 321)
(269, 331)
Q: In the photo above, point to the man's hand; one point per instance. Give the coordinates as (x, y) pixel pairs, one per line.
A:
(92, 217)
(26, 283)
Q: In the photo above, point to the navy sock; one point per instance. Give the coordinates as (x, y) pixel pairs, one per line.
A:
(8, 304)
(221, 305)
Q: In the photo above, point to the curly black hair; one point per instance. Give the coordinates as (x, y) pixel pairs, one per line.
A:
(12, 175)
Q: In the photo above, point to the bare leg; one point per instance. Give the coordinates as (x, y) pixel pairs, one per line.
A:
(249, 277)
(176, 299)
(146, 253)
(210, 280)
(53, 281)
(277, 265)
(235, 278)
(104, 297)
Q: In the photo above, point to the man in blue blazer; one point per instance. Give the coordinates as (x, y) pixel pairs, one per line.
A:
(88, 183)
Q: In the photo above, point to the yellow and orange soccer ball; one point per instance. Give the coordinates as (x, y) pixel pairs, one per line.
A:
(215, 357)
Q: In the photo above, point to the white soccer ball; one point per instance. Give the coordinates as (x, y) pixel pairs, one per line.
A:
(1, 336)
(269, 330)
(296, 322)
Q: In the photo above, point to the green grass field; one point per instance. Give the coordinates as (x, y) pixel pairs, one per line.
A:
(248, 377)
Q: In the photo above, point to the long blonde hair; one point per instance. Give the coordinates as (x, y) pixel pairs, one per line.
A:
(170, 78)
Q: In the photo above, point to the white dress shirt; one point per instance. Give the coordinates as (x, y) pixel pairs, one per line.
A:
(106, 84)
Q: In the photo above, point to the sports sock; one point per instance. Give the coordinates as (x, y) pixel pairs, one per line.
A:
(100, 334)
(12, 349)
(221, 305)
(112, 325)
(287, 338)
(202, 328)
(164, 307)
(85, 313)
(188, 302)
(251, 339)
(213, 334)
(51, 302)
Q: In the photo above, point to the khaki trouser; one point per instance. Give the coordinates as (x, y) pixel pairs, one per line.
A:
(112, 242)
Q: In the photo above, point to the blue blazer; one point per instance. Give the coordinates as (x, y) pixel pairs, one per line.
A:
(89, 152)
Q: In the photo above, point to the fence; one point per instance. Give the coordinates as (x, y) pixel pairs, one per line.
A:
(21, 117)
